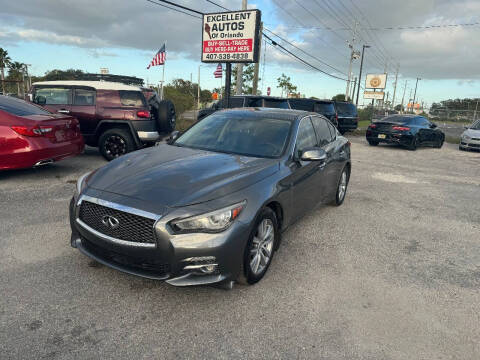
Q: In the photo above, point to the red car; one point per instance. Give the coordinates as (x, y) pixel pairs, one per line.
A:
(32, 136)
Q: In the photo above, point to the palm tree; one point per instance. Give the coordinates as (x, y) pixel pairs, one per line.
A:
(4, 62)
(16, 70)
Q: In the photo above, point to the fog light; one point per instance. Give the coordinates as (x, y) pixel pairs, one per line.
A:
(201, 265)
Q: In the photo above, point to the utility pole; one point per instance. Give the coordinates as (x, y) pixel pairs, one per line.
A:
(395, 87)
(239, 86)
(257, 64)
(352, 54)
(360, 75)
(403, 97)
(415, 94)
(354, 87)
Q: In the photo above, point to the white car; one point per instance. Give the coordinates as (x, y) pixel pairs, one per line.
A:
(470, 138)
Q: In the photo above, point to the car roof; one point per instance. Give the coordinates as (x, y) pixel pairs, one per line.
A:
(259, 97)
(99, 85)
(281, 114)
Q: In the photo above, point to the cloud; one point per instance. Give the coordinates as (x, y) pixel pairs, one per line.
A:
(447, 53)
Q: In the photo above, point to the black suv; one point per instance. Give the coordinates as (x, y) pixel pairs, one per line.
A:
(323, 107)
(347, 116)
(239, 101)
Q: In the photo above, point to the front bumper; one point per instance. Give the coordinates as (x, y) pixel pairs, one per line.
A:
(177, 259)
(470, 144)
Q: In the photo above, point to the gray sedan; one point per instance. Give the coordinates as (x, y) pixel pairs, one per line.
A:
(210, 206)
(470, 138)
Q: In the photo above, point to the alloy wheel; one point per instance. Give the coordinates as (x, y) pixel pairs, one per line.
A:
(342, 186)
(262, 246)
(115, 146)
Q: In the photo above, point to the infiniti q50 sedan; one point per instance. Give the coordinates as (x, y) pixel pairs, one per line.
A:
(210, 206)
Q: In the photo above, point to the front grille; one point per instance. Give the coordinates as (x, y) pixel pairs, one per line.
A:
(131, 227)
(115, 258)
(476, 139)
(474, 145)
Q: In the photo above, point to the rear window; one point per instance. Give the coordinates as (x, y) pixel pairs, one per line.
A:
(298, 104)
(19, 107)
(279, 104)
(400, 119)
(132, 98)
(324, 108)
(346, 109)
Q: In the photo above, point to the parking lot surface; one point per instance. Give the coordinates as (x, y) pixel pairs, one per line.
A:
(394, 273)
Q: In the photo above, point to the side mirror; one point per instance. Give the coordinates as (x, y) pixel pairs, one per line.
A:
(40, 100)
(433, 126)
(173, 136)
(314, 154)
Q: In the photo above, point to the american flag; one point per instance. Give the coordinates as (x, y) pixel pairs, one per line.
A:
(218, 71)
(159, 58)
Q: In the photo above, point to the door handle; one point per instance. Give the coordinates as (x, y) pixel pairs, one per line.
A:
(64, 111)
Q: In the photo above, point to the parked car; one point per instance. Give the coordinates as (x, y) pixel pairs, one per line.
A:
(210, 206)
(324, 107)
(239, 101)
(113, 117)
(347, 116)
(32, 136)
(470, 138)
(410, 131)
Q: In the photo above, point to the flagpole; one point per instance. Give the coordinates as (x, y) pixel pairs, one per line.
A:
(163, 70)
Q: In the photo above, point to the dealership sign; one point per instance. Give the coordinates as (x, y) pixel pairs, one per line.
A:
(231, 36)
(376, 81)
(377, 95)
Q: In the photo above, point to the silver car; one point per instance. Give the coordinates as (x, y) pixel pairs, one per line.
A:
(470, 138)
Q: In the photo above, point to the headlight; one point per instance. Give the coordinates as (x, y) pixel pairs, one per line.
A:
(82, 182)
(215, 221)
(466, 137)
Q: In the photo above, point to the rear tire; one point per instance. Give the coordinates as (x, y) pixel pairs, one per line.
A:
(261, 244)
(115, 142)
(413, 145)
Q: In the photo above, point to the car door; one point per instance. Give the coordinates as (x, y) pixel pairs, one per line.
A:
(426, 134)
(307, 176)
(83, 108)
(57, 98)
(325, 141)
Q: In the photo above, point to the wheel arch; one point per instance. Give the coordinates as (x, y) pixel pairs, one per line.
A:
(116, 124)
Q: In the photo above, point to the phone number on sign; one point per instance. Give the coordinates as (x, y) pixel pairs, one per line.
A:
(241, 56)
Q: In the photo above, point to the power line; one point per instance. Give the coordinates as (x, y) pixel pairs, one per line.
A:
(177, 10)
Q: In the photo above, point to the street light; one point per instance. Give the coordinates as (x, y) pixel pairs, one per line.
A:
(415, 94)
(360, 75)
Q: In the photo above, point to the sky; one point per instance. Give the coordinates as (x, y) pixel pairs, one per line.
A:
(123, 36)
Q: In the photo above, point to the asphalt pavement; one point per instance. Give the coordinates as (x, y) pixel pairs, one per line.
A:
(394, 273)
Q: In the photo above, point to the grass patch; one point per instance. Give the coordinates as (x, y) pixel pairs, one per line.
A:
(183, 124)
(452, 139)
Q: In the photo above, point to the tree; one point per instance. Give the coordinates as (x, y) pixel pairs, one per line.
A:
(16, 71)
(285, 83)
(5, 61)
(340, 97)
(247, 76)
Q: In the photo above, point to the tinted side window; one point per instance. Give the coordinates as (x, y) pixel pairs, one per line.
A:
(422, 121)
(84, 97)
(254, 102)
(132, 98)
(236, 102)
(305, 136)
(333, 130)
(323, 132)
(279, 104)
(55, 96)
(324, 108)
(298, 104)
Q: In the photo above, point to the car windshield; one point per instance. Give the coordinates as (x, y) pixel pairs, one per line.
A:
(237, 134)
(346, 108)
(19, 107)
(476, 125)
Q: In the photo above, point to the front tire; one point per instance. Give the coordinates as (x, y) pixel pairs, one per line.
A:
(373, 143)
(115, 142)
(414, 144)
(260, 247)
(439, 143)
(342, 187)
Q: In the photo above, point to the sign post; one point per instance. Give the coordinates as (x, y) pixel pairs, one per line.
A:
(231, 37)
(375, 81)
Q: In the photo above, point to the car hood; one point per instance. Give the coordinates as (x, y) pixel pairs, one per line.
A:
(472, 133)
(179, 176)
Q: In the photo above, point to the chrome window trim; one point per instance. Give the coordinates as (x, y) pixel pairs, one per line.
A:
(119, 207)
(112, 239)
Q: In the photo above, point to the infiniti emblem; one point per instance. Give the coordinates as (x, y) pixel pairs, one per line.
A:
(110, 221)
